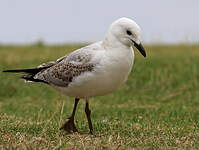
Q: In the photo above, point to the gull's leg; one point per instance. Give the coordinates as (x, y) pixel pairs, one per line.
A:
(69, 125)
(88, 115)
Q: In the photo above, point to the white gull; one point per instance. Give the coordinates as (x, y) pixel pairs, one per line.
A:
(94, 70)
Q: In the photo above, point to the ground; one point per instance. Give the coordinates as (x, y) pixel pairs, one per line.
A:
(158, 107)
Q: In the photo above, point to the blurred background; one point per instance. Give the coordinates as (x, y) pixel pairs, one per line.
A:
(61, 21)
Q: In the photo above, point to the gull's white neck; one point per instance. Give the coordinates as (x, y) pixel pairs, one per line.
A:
(121, 54)
(111, 42)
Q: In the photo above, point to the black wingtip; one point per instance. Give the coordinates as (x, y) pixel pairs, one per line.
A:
(12, 71)
(6, 71)
(33, 70)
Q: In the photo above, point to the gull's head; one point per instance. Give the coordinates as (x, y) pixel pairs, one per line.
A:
(126, 32)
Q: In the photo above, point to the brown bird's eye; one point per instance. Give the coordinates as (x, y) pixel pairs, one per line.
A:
(128, 32)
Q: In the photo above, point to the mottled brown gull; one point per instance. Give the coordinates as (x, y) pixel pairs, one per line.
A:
(94, 70)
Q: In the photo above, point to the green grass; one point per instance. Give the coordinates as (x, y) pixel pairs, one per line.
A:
(158, 107)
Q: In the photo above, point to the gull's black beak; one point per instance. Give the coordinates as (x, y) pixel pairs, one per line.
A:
(140, 48)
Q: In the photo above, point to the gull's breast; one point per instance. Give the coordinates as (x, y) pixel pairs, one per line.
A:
(119, 67)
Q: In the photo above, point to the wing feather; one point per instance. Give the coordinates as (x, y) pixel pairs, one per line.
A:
(64, 70)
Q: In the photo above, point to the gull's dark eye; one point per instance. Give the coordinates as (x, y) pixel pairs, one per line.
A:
(128, 32)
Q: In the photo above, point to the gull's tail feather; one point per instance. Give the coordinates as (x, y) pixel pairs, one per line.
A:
(30, 77)
(29, 73)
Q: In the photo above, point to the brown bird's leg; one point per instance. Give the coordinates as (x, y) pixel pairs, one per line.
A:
(88, 115)
(69, 125)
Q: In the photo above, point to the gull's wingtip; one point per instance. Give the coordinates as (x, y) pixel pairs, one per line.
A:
(5, 71)
(10, 71)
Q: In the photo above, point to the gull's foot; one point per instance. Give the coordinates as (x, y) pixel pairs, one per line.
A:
(92, 133)
(69, 126)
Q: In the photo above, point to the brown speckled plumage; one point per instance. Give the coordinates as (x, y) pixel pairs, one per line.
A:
(64, 70)
(62, 74)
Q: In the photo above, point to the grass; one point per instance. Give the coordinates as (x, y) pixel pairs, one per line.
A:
(158, 107)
